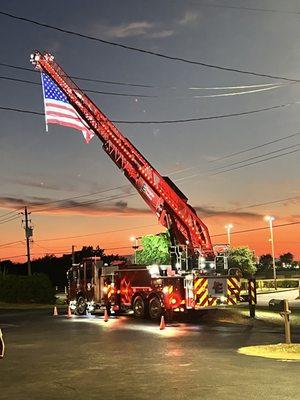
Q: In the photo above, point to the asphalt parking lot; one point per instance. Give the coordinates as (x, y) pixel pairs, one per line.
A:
(85, 358)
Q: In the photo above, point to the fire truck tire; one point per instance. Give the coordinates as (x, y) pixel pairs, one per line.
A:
(80, 306)
(155, 308)
(139, 307)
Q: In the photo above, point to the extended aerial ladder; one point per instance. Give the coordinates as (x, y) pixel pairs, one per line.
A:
(160, 193)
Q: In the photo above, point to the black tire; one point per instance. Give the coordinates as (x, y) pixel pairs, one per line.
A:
(155, 308)
(80, 306)
(139, 307)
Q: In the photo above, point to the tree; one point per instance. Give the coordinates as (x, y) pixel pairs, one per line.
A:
(265, 262)
(155, 250)
(286, 258)
(242, 258)
(88, 251)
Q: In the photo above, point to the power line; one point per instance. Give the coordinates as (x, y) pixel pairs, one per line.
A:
(139, 50)
(83, 79)
(207, 173)
(77, 197)
(97, 233)
(237, 153)
(21, 111)
(194, 88)
(89, 202)
(176, 121)
(216, 235)
(256, 162)
(220, 116)
(264, 10)
(257, 229)
(262, 155)
(121, 196)
(11, 212)
(97, 91)
(255, 205)
(3, 245)
(175, 172)
(138, 95)
(9, 220)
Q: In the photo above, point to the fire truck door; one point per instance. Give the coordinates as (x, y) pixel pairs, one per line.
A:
(217, 287)
(189, 291)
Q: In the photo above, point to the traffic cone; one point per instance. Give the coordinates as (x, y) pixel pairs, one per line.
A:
(105, 315)
(55, 313)
(2, 345)
(162, 324)
(69, 315)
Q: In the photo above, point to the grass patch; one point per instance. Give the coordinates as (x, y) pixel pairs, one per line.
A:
(265, 315)
(281, 351)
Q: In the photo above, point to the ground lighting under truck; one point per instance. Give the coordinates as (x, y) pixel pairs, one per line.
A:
(187, 284)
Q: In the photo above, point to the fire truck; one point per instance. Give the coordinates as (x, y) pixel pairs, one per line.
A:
(147, 290)
(193, 281)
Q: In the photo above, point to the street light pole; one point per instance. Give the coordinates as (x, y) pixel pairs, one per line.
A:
(228, 227)
(271, 219)
(135, 246)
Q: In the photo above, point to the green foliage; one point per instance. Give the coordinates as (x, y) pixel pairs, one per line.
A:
(286, 258)
(155, 250)
(26, 289)
(265, 263)
(89, 251)
(281, 284)
(242, 258)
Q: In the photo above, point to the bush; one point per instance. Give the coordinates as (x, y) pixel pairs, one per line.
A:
(288, 284)
(281, 284)
(26, 289)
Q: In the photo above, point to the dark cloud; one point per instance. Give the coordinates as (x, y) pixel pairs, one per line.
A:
(212, 212)
(71, 207)
(104, 207)
(121, 204)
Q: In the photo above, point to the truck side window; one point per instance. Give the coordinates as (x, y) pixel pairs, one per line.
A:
(89, 271)
(74, 277)
(81, 273)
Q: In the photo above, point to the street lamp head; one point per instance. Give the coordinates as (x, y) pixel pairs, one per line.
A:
(269, 218)
(132, 238)
(229, 226)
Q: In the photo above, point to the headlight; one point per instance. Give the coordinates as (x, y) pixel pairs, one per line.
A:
(223, 299)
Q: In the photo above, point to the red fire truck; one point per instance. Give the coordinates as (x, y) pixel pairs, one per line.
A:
(149, 291)
(194, 282)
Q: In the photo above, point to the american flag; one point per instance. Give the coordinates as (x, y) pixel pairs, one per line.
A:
(58, 109)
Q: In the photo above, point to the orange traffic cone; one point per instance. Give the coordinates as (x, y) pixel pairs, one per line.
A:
(55, 313)
(2, 345)
(162, 324)
(69, 315)
(105, 315)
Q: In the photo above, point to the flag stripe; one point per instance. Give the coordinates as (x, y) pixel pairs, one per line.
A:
(63, 120)
(70, 124)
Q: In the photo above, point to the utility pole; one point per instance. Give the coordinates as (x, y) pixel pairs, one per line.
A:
(270, 219)
(28, 235)
(73, 255)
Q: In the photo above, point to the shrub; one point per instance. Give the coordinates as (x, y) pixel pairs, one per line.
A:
(26, 289)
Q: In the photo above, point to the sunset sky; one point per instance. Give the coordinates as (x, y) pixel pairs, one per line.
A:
(39, 167)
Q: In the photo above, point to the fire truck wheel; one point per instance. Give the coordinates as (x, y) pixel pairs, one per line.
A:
(139, 307)
(80, 306)
(155, 309)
